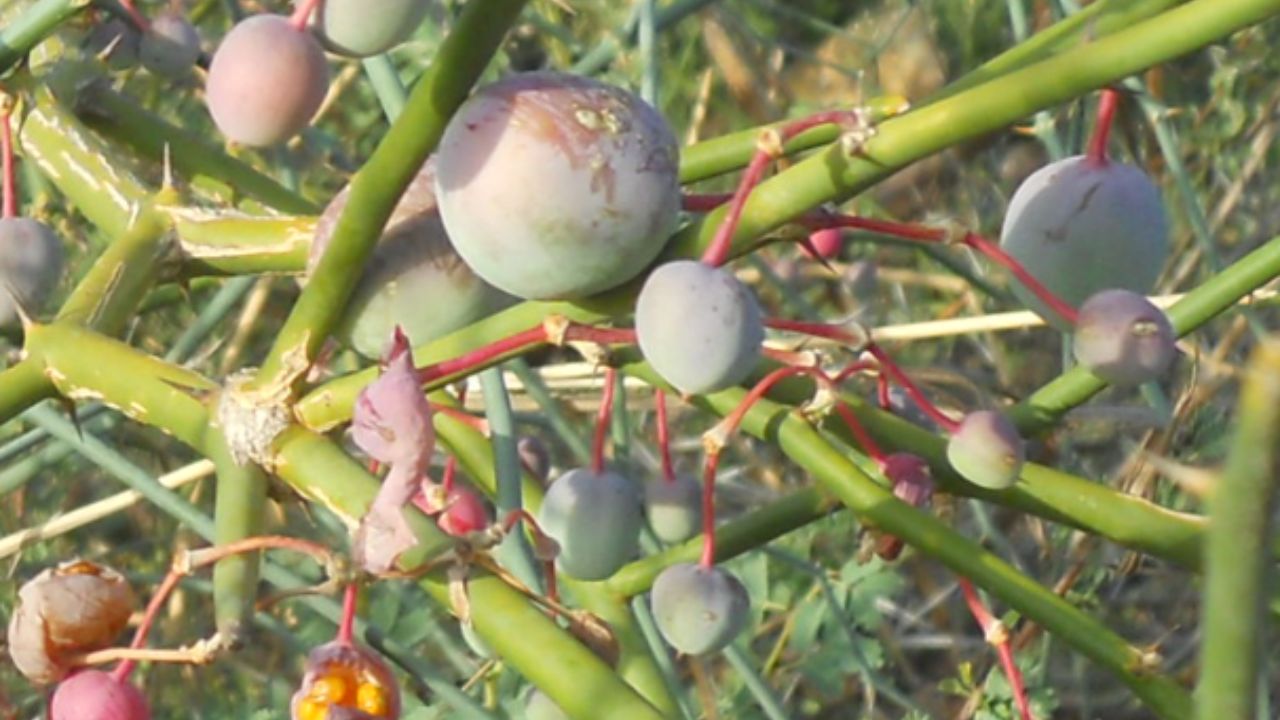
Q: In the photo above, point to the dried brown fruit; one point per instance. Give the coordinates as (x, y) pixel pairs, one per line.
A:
(74, 608)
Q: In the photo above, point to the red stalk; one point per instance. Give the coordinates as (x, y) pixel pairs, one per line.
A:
(887, 365)
(822, 330)
(708, 558)
(1108, 102)
(346, 626)
(703, 202)
(1000, 257)
(602, 421)
(137, 17)
(664, 435)
(998, 636)
(6, 147)
(302, 14)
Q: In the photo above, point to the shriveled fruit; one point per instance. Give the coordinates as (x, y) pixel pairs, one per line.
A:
(266, 81)
(31, 262)
(74, 608)
(698, 326)
(414, 279)
(171, 46)
(1123, 338)
(541, 707)
(555, 186)
(97, 695)
(699, 609)
(1080, 226)
(344, 680)
(357, 29)
(596, 520)
(986, 450)
(674, 507)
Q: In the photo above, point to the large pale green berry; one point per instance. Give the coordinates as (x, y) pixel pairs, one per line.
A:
(596, 520)
(414, 279)
(698, 326)
(555, 186)
(699, 609)
(1079, 226)
(359, 28)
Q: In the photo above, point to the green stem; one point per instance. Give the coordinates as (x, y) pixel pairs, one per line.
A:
(514, 552)
(231, 243)
(36, 23)
(81, 165)
(1237, 555)
(1100, 19)
(376, 188)
(84, 365)
(386, 85)
(125, 120)
(551, 410)
(735, 537)
(239, 513)
(1047, 405)
(107, 297)
(648, 628)
(768, 702)
(22, 386)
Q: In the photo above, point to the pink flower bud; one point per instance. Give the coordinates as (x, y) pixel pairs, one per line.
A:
(464, 513)
(97, 695)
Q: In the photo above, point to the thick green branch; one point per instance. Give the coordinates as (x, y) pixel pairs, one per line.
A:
(377, 187)
(1238, 555)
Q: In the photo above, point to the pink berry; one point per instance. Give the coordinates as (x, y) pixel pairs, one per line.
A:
(266, 81)
(97, 695)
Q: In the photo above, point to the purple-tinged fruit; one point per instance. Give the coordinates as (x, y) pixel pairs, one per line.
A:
(266, 81)
(986, 450)
(1123, 338)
